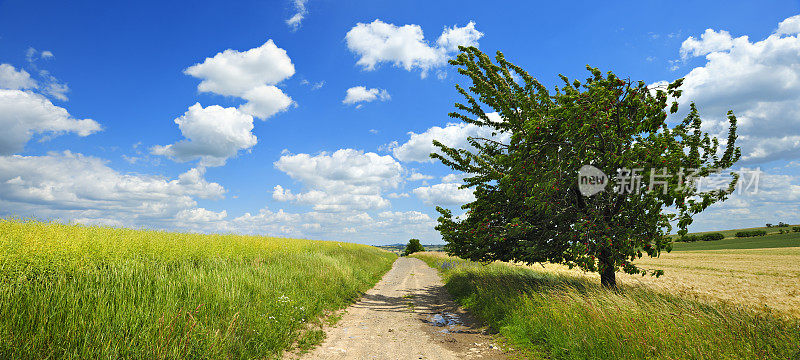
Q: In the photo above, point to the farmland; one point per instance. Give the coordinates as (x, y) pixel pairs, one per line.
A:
(732, 232)
(746, 277)
(749, 277)
(759, 242)
(69, 291)
(555, 312)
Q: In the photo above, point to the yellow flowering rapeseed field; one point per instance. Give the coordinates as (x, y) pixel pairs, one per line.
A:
(72, 291)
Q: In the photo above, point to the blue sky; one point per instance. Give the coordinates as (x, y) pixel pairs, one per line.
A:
(275, 109)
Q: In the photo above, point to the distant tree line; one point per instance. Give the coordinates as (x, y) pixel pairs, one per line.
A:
(703, 237)
(751, 233)
(780, 224)
(739, 234)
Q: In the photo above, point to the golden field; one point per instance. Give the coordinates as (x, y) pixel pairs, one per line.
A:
(750, 277)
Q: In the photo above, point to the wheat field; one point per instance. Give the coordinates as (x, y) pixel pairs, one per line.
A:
(748, 277)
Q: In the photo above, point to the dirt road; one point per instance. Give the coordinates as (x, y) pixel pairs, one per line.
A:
(407, 315)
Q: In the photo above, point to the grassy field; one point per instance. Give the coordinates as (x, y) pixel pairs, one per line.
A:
(759, 242)
(552, 314)
(71, 291)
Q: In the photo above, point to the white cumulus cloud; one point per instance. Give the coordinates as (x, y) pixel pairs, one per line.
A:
(13, 79)
(200, 215)
(415, 176)
(767, 198)
(405, 46)
(359, 94)
(758, 80)
(353, 225)
(251, 75)
(334, 201)
(342, 180)
(419, 146)
(23, 114)
(344, 170)
(264, 101)
(790, 26)
(454, 37)
(212, 134)
(83, 188)
(281, 194)
(710, 41)
(405, 217)
(444, 194)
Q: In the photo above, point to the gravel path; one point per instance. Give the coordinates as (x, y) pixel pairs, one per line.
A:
(407, 315)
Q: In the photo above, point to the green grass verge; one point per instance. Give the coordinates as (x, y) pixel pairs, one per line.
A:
(759, 242)
(560, 317)
(79, 292)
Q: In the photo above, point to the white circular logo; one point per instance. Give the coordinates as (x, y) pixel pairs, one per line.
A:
(591, 180)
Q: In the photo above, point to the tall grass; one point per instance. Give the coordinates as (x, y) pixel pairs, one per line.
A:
(563, 317)
(69, 291)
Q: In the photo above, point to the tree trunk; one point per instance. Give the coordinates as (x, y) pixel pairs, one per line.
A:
(608, 278)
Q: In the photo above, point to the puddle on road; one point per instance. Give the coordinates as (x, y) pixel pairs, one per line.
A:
(446, 320)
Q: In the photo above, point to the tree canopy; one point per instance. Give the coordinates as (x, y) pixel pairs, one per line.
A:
(412, 247)
(528, 205)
